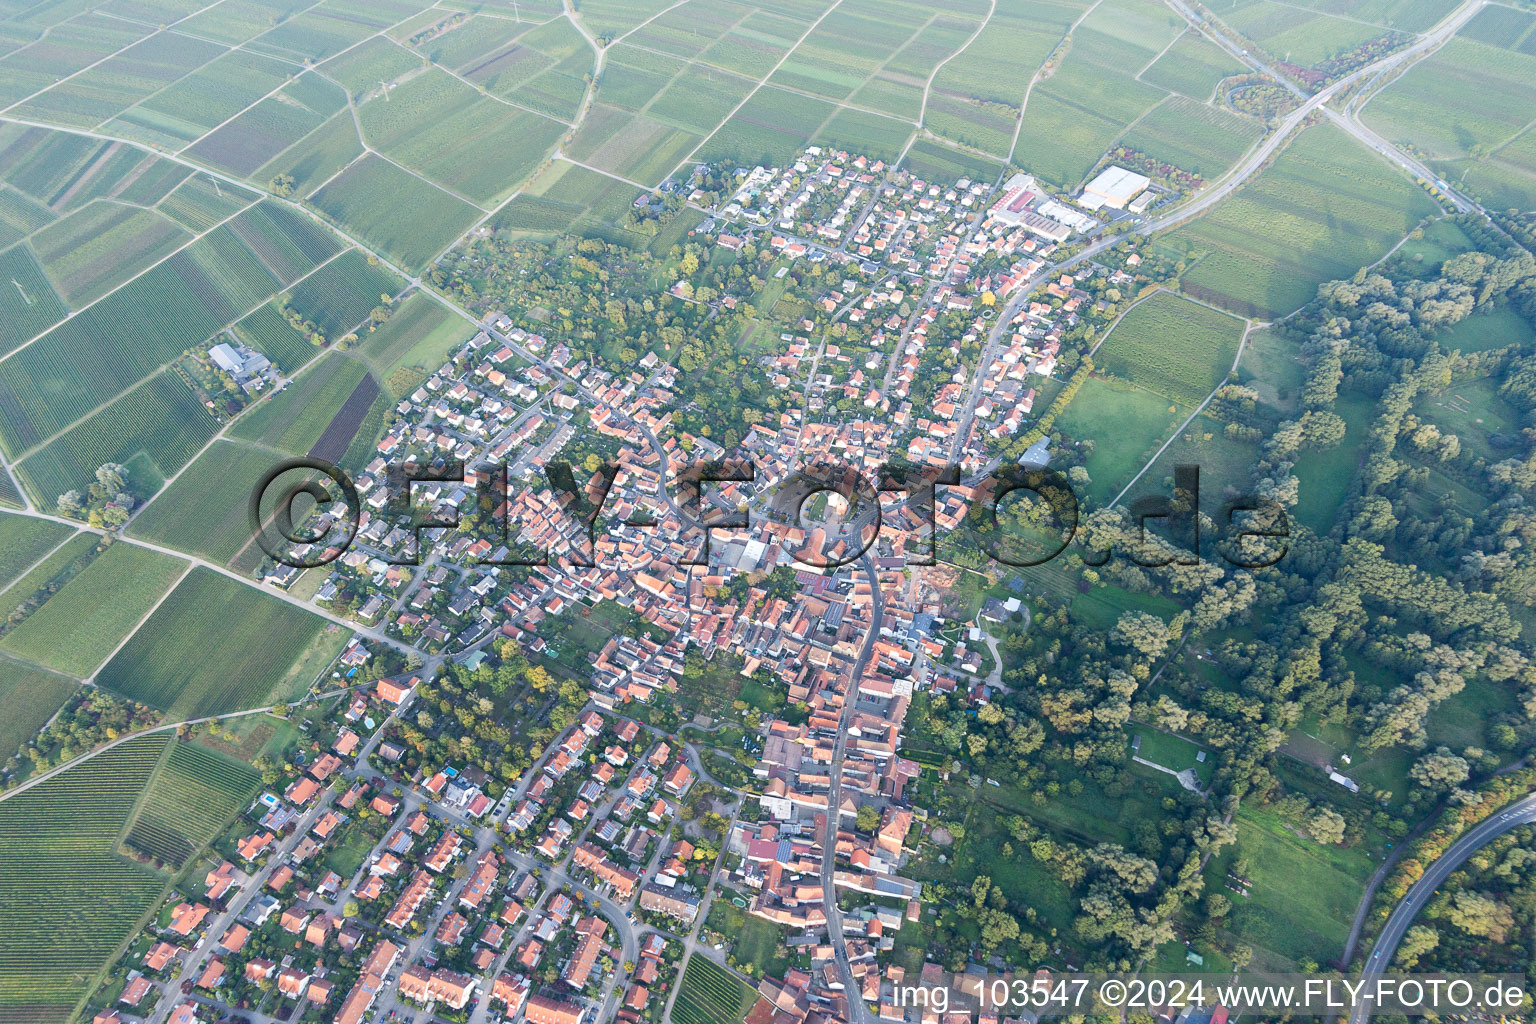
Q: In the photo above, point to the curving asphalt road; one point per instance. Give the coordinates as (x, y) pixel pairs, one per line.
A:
(1371, 73)
(1521, 812)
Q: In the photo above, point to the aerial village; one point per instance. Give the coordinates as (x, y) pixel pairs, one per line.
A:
(574, 892)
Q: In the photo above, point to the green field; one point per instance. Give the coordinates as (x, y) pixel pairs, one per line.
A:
(67, 898)
(1466, 94)
(1468, 107)
(188, 109)
(205, 512)
(1326, 207)
(1102, 606)
(1223, 462)
(770, 128)
(99, 246)
(1286, 918)
(557, 91)
(337, 297)
(24, 540)
(484, 59)
(1126, 423)
(463, 45)
(28, 305)
(1327, 476)
(20, 215)
(1505, 180)
(756, 943)
(10, 494)
(104, 89)
(240, 21)
(711, 995)
(1193, 67)
(370, 65)
(845, 48)
(294, 420)
(153, 430)
(62, 173)
(1193, 137)
(698, 99)
(980, 90)
(316, 157)
(689, 29)
(287, 242)
(1476, 413)
(715, 689)
(276, 124)
(565, 197)
(936, 161)
(1076, 113)
(1463, 719)
(421, 334)
(860, 132)
(201, 202)
(1330, 30)
(421, 220)
(1441, 239)
(78, 627)
(1177, 348)
(1171, 751)
(215, 646)
(267, 331)
(317, 33)
(1272, 366)
(633, 77)
(127, 336)
(31, 696)
(630, 145)
(441, 127)
(1499, 25)
(51, 567)
(616, 17)
(1488, 328)
(192, 797)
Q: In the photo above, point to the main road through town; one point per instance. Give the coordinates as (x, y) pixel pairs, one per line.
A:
(856, 1007)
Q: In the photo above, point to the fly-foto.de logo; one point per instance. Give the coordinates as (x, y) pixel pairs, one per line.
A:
(307, 512)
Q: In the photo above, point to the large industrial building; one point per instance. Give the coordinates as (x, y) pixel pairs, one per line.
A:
(1114, 187)
(1021, 205)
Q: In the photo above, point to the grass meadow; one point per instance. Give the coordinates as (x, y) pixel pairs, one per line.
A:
(1280, 918)
(1126, 424)
(1327, 476)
